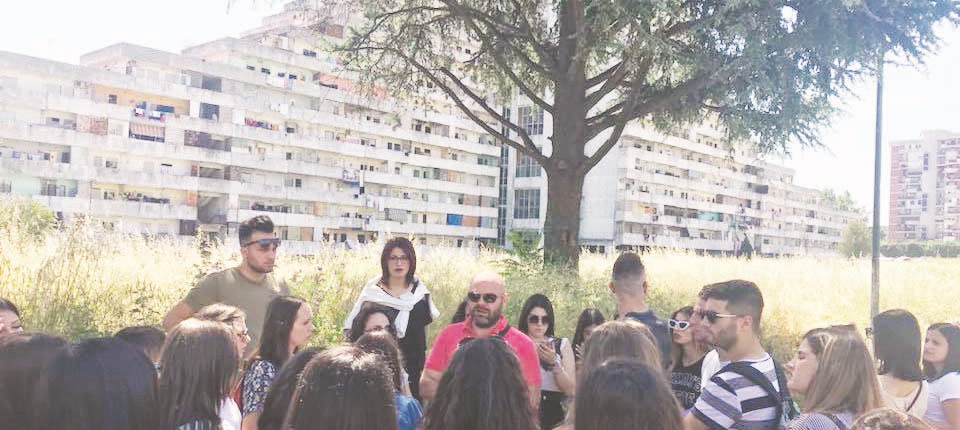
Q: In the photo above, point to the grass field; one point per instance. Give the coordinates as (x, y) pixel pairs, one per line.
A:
(83, 281)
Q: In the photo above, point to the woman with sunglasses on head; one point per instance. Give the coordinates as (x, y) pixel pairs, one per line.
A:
(834, 372)
(896, 346)
(557, 363)
(687, 356)
(408, 300)
(941, 365)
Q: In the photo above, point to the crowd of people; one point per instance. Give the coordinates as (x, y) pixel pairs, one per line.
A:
(233, 355)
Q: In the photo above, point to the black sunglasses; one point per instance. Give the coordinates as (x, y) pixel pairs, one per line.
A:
(487, 298)
(265, 243)
(713, 316)
(536, 319)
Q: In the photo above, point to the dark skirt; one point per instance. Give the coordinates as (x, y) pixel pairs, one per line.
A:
(551, 409)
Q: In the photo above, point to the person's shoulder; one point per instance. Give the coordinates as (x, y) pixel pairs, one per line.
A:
(811, 421)
(262, 366)
(518, 337)
(220, 276)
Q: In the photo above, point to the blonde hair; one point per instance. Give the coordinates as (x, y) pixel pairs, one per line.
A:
(625, 338)
(846, 379)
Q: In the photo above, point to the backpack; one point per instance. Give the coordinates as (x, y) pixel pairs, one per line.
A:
(786, 408)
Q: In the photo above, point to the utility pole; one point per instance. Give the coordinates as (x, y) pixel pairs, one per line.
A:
(875, 273)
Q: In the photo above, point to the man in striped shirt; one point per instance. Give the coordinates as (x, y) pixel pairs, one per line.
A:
(730, 400)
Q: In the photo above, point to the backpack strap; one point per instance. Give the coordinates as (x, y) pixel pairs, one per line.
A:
(759, 379)
(915, 397)
(557, 342)
(503, 332)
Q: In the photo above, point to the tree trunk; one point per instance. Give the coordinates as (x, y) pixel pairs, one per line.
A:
(561, 228)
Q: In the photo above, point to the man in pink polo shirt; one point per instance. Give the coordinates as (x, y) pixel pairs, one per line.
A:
(487, 295)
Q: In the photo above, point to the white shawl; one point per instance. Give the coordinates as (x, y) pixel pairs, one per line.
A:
(372, 292)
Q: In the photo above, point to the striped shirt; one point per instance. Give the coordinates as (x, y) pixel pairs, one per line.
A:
(819, 421)
(730, 401)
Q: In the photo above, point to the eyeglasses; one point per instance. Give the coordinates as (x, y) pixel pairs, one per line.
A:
(678, 325)
(377, 328)
(713, 316)
(536, 319)
(265, 243)
(399, 258)
(487, 298)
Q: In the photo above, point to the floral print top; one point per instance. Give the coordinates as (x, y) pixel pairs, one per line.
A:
(255, 384)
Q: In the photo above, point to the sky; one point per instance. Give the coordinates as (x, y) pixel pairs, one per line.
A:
(914, 99)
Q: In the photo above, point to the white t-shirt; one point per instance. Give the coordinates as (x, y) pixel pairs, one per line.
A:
(230, 417)
(547, 381)
(711, 365)
(921, 394)
(947, 387)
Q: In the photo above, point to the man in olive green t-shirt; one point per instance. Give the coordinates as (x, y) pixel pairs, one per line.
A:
(249, 286)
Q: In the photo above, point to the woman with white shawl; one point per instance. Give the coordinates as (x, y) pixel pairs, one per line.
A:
(398, 289)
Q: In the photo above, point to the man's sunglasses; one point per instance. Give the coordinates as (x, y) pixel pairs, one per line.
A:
(264, 243)
(678, 325)
(487, 298)
(536, 319)
(713, 316)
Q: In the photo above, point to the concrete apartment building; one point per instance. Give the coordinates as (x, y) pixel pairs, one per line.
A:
(925, 188)
(173, 144)
(183, 144)
(692, 191)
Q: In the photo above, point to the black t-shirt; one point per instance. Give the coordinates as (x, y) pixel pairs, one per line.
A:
(413, 345)
(659, 329)
(685, 382)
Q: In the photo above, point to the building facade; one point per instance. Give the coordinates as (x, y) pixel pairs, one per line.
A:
(925, 188)
(693, 191)
(176, 144)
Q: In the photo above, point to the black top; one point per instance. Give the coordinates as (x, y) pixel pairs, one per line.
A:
(659, 329)
(685, 382)
(413, 345)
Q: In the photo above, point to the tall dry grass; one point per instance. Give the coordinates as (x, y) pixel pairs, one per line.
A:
(83, 281)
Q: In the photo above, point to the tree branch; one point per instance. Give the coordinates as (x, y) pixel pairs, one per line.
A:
(502, 62)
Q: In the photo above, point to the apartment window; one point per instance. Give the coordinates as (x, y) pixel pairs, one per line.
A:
(526, 204)
(531, 119)
(265, 70)
(112, 99)
(526, 166)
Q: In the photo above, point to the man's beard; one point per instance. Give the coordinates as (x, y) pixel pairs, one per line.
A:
(726, 339)
(485, 321)
(258, 268)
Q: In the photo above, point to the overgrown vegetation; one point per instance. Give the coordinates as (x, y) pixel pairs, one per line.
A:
(82, 281)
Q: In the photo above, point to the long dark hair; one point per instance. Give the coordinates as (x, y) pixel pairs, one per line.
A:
(407, 247)
(952, 362)
(281, 389)
(22, 357)
(625, 393)
(7, 305)
(536, 301)
(385, 345)
(587, 318)
(481, 389)
(200, 366)
(896, 343)
(275, 342)
(98, 384)
(343, 388)
(360, 321)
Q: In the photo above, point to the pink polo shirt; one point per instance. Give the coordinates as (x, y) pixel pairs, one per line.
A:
(449, 339)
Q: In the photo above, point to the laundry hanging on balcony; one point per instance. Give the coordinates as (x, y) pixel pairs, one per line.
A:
(147, 131)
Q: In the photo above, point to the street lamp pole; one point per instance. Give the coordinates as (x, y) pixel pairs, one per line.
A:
(875, 252)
